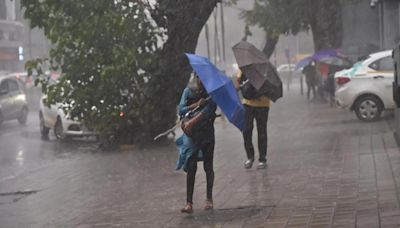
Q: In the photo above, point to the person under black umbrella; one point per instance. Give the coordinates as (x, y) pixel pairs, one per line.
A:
(259, 83)
(256, 107)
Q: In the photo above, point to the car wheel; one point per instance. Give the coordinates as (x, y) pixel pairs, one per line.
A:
(23, 116)
(43, 129)
(368, 108)
(58, 129)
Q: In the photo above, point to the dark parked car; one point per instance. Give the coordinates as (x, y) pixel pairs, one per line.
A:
(13, 104)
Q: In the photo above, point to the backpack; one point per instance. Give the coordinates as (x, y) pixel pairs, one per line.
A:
(248, 90)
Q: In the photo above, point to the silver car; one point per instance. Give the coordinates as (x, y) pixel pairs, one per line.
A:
(13, 103)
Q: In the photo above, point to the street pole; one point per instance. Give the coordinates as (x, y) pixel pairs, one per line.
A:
(381, 25)
(208, 41)
(218, 49)
(297, 59)
(223, 33)
(297, 47)
(301, 84)
(30, 43)
(289, 76)
(215, 35)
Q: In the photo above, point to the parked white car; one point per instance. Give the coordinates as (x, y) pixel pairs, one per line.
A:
(286, 68)
(53, 117)
(366, 88)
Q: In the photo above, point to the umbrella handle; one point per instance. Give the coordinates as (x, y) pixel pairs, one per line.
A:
(244, 83)
(197, 108)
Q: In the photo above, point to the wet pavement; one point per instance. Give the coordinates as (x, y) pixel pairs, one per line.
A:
(325, 169)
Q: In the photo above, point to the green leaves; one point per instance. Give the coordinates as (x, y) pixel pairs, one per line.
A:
(118, 56)
(104, 50)
(278, 17)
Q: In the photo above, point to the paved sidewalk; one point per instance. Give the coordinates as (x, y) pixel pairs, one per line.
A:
(325, 169)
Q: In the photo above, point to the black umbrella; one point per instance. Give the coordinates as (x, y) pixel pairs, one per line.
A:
(258, 70)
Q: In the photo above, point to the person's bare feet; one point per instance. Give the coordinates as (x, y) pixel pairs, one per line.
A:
(209, 205)
(188, 209)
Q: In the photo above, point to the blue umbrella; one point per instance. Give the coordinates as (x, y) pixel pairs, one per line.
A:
(326, 53)
(220, 88)
(303, 62)
(318, 56)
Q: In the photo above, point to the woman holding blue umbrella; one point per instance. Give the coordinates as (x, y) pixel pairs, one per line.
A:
(198, 104)
(197, 143)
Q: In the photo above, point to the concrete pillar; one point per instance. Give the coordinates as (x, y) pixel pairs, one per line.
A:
(390, 23)
(361, 28)
(381, 26)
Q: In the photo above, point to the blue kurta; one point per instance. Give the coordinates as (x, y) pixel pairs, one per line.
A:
(186, 145)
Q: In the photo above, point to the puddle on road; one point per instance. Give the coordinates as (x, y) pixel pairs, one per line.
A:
(12, 197)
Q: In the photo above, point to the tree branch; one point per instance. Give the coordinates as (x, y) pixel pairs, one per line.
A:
(269, 47)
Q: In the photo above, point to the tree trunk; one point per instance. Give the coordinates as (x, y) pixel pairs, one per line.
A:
(270, 45)
(3, 10)
(184, 22)
(326, 24)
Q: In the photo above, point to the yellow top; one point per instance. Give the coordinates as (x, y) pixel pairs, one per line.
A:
(262, 101)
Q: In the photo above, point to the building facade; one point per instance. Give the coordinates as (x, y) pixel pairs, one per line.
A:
(370, 26)
(18, 42)
(11, 38)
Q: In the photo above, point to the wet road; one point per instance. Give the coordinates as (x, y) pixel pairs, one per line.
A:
(325, 169)
(22, 150)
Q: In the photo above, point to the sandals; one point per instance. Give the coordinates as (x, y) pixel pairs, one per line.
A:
(188, 209)
(209, 205)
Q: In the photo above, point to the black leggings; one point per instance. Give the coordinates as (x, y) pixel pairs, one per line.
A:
(208, 157)
(260, 114)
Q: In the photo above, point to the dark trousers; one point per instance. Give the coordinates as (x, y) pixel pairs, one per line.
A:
(208, 158)
(260, 114)
(309, 89)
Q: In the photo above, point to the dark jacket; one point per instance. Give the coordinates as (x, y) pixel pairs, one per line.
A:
(311, 75)
(203, 131)
(189, 146)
